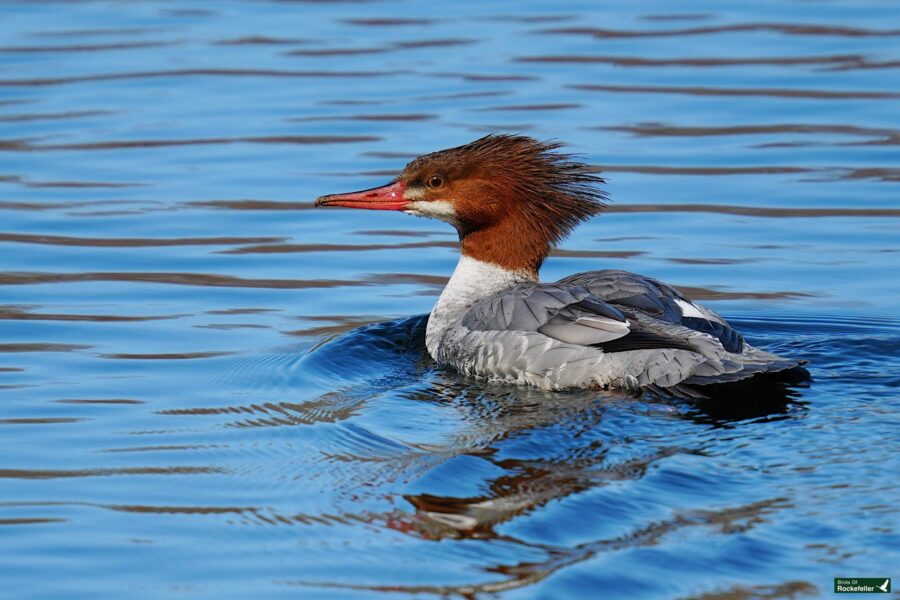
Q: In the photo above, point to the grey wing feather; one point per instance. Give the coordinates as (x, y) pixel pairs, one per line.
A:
(661, 307)
(647, 333)
(566, 313)
(584, 331)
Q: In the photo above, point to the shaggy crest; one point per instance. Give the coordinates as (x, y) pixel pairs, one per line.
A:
(553, 190)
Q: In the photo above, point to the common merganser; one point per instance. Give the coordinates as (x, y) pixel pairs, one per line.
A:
(511, 199)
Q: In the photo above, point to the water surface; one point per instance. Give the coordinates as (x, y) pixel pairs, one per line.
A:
(190, 410)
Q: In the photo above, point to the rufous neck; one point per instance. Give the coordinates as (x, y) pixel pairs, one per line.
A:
(513, 244)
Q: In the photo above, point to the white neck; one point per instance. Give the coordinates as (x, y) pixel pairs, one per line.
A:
(471, 280)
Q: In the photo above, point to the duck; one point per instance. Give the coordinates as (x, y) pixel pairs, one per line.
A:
(512, 199)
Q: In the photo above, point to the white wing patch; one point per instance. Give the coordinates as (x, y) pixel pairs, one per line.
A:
(689, 309)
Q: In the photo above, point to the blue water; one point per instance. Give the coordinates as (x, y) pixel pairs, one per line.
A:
(188, 408)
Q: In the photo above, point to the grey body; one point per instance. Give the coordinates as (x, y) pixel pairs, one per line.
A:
(597, 329)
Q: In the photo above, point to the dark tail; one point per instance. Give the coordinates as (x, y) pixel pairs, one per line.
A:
(782, 371)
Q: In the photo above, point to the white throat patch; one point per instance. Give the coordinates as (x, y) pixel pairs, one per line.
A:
(437, 209)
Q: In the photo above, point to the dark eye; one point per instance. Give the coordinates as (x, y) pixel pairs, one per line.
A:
(435, 181)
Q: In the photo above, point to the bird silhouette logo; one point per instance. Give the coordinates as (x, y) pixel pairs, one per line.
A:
(886, 586)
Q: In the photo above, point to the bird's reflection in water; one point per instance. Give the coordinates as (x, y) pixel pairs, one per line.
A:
(486, 454)
(564, 434)
(578, 451)
(494, 415)
(569, 441)
(582, 461)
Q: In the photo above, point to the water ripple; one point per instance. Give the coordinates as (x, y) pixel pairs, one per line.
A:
(782, 28)
(717, 91)
(27, 146)
(197, 363)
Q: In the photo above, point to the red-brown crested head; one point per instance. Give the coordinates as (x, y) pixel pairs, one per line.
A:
(510, 197)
